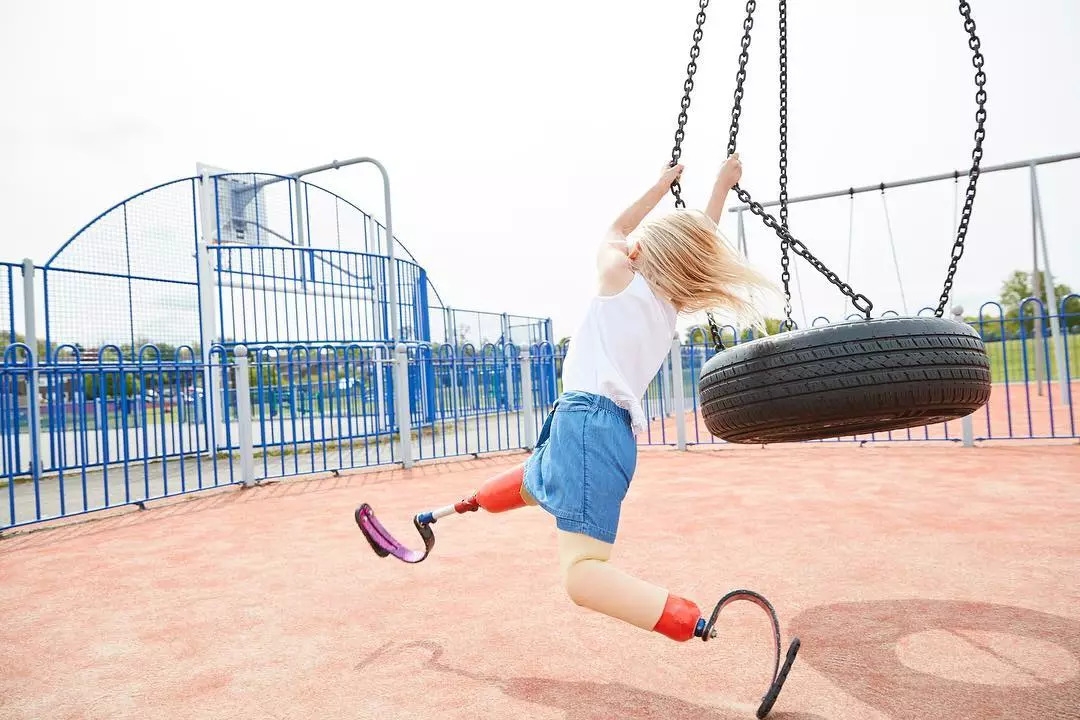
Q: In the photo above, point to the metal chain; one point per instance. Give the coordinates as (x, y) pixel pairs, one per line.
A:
(976, 155)
(785, 274)
(859, 301)
(740, 76)
(788, 241)
(688, 85)
(680, 134)
(714, 330)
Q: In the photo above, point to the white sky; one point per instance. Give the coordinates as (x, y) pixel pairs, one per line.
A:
(514, 132)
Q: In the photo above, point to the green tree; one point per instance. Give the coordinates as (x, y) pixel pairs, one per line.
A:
(702, 335)
(18, 357)
(1018, 287)
(268, 373)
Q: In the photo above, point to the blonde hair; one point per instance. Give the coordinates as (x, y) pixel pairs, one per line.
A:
(686, 259)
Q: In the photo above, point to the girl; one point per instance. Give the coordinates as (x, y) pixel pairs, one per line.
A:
(586, 454)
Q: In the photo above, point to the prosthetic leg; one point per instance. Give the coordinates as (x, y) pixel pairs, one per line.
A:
(503, 492)
(589, 580)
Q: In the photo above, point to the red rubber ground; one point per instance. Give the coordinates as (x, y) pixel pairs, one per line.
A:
(924, 582)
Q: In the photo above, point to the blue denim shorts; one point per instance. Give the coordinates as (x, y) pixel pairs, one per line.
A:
(584, 459)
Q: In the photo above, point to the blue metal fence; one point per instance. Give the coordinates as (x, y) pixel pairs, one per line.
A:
(112, 432)
(321, 407)
(135, 265)
(10, 276)
(139, 390)
(1030, 399)
(117, 430)
(139, 316)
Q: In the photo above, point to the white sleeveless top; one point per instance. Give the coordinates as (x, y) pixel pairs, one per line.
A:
(620, 347)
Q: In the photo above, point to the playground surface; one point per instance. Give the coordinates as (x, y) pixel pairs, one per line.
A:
(925, 580)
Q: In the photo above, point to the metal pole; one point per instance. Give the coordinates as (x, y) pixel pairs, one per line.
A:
(243, 416)
(298, 202)
(33, 400)
(401, 359)
(338, 164)
(528, 409)
(667, 390)
(208, 310)
(1036, 288)
(401, 404)
(679, 390)
(1051, 299)
(967, 429)
(916, 181)
(743, 248)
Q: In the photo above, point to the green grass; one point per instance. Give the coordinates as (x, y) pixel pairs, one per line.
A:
(1019, 359)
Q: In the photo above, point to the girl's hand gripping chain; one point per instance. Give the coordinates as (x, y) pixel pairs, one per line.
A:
(728, 177)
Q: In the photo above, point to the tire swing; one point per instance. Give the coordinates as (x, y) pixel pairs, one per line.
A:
(864, 376)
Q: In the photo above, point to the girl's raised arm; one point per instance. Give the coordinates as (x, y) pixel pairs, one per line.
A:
(612, 258)
(729, 175)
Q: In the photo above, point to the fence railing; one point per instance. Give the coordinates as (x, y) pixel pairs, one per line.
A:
(82, 434)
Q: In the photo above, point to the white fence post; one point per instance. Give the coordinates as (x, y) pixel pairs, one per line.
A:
(243, 416)
(208, 261)
(667, 388)
(679, 391)
(401, 404)
(967, 429)
(1051, 308)
(33, 398)
(527, 407)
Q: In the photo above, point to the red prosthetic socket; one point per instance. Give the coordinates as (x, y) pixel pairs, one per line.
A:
(679, 619)
(502, 492)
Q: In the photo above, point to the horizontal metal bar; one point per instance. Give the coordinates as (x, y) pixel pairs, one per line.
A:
(119, 276)
(365, 282)
(916, 181)
(333, 165)
(296, 288)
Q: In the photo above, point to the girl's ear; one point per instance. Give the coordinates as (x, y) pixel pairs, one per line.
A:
(635, 250)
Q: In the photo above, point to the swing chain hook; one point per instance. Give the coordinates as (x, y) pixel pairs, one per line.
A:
(976, 155)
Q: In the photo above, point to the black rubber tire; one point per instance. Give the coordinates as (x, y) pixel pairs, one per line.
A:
(845, 379)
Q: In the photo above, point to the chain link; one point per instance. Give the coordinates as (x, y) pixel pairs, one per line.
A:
(788, 241)
(785, 274)
(976, 155)
(714, 329)
(680, 134)
(688, 85)
(740, 76)
(860, 301)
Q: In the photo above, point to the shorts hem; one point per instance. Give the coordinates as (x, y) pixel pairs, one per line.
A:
(573, 524)
(585, 528)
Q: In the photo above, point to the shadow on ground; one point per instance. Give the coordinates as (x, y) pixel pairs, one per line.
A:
(857, 645)
(587, 700)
